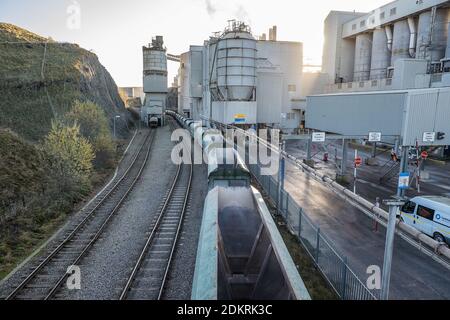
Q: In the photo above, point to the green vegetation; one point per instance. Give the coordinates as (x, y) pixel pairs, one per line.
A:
(94, 127)
(72, 157)
(31, 201)
(56, 113)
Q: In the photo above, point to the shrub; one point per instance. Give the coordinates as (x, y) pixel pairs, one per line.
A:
(94, 127)
(71, 156)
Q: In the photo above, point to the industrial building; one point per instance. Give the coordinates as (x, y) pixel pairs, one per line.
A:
(155, 80)
(388, 72)
(402, 45)
(235, 79)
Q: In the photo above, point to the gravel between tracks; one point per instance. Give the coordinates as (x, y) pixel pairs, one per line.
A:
(105, 269)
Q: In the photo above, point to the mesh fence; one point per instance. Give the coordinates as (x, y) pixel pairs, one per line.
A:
(332, 265)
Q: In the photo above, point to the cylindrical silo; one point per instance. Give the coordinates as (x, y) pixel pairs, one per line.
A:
(155, 59)
(236, 63)
(363, 53)
(432, 37)
(400, 45)
(381, 56)
(423, 35)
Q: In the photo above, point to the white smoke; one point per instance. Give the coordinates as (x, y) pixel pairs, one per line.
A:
(210, 8)
(241, 14)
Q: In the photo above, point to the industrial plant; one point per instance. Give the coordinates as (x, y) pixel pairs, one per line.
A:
(252, 173)
(236, 79)
(388, 71)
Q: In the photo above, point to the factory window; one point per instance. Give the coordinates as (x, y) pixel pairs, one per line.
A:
(354, 27)
(382, 15)
(290, 116)
(363, 24)
(292, 88)
(393, 11)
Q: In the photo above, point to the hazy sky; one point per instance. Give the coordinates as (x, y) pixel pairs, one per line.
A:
(116, 29)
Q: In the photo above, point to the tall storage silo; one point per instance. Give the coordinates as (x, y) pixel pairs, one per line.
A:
(433, 34)
(363, 54)
(400, 44)
(155, 80)
(381, 56)
(236, 63)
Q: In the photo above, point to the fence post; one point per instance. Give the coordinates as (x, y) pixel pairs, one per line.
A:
(318, 246)
(300, 214)
(287, 208)
(344, 278)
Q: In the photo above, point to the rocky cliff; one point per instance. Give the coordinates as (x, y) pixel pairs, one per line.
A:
(40, 79)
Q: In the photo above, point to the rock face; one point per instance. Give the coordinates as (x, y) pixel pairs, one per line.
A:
(40, 79)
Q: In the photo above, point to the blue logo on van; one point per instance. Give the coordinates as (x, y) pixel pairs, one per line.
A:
(438, 217)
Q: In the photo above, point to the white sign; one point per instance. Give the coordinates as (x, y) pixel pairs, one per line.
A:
(374, 136)
(403, 181)
(319, 137)
(429, 136)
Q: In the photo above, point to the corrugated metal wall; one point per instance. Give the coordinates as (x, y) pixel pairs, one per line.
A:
(357, 114)
(406, 113)
(427, 111)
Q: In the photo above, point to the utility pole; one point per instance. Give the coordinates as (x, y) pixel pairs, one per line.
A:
(404, 164)
(281, 173)
(355, 171)
(344, 157)
(394, 206)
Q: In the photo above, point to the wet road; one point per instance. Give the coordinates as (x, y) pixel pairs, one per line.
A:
(414, 275)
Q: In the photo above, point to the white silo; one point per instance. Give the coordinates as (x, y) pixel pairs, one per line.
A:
(381, 56)
(236, 63)
(432, 35)
(363, 54)
(155, 79)
(400, 45)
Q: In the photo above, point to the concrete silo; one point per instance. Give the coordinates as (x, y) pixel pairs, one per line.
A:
(381, 56)
(401, 41)
(433, 34)
(363, 54)
(155, 80)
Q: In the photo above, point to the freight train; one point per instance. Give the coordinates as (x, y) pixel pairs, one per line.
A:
(241, 254)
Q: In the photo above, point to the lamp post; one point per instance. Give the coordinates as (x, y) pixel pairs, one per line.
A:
(394, 206)
(115, 118)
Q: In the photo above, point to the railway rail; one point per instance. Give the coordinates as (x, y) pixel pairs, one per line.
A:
(46, 279)
(148, 278)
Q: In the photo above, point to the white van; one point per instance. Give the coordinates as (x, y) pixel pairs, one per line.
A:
(430, 214)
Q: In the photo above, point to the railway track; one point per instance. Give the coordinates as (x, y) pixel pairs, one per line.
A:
(149, 275)
(47, 278)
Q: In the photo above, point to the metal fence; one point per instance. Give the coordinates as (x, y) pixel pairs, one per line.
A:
(332, 265)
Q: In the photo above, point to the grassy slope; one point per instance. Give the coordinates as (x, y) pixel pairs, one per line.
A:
(30, 98)
(23, 173)
(28, 213)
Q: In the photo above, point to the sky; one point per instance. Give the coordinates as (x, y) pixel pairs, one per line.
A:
(117, 30)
